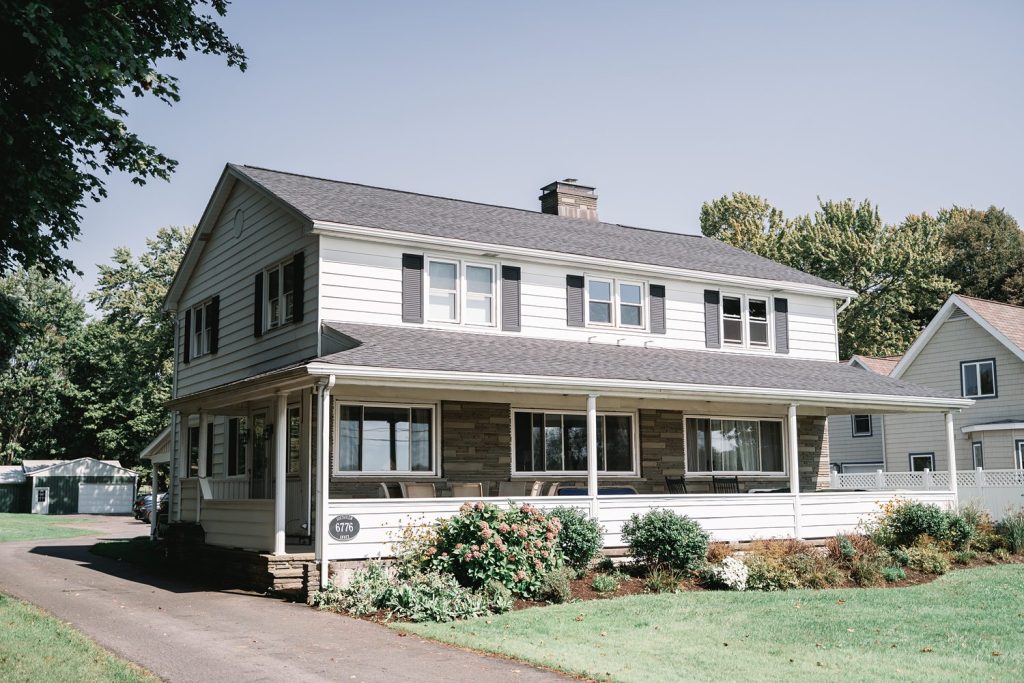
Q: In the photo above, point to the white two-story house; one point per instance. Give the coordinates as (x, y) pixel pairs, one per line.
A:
(339, 343)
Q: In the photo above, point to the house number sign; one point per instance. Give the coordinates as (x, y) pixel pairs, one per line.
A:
(343, 528)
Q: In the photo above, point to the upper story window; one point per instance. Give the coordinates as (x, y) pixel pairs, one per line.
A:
(978, 378)
(202, 316)
(745, 321)
(280, 299)
(862, 425)
(615, 303)
(460, 293)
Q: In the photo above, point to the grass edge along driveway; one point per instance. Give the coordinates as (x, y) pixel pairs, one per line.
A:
(968, 625)
(26, 527)
(35, 646)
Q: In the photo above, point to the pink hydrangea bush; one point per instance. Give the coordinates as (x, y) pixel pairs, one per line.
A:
(516, 547)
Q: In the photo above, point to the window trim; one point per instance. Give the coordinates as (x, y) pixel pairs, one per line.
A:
(463, 281)
(191, 442)
(298, 463)
(203, 348)
(284, 321)
(616, 302)
(428, 286)
(1018, 459)
(435, 442)
(853, 427)
(995, 378)
(922, 454)
(880, 466)
(243, 447)
(769, 321)
(634, 473)
(759, 474)
(974, 454)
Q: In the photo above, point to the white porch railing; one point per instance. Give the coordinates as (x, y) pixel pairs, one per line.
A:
(228, 489)
(739, 517)
(993, 490)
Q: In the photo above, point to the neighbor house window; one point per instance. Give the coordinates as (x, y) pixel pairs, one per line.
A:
(294, 438)
(385, 438)
(734, 445)
(978, 378)
(919, 462)
(443, 291)
(745, 321)
(281, 282)
(202, 329)
(862, 425)
(557, 442)
(978, 454)
(615, 303)
(236, 446)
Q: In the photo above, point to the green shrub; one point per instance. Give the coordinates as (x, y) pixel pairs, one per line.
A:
(768, 574)
(662, 537)
(579, 537)
(365, 594)
(662, 579)
(605, 564)
(964, 556)
(1011, 529)
(1001, 554)
(605, 583)
(903, 523)
(499, 597)
(927, 558)
(893, 573)
(813, 569)
(844, 549)
(516, 546)
(867, 569)
(555, 585)
(434, 597)
(900, 556)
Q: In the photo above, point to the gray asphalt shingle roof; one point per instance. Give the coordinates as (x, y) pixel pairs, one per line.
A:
(374, 207)
(412, 348)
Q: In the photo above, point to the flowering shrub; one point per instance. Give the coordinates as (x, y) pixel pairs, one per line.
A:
(515, 546)
(730, 574)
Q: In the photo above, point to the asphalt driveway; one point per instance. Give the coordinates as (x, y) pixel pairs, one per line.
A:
(181, 632)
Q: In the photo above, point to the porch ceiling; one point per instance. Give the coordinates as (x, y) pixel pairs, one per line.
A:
(410, 356)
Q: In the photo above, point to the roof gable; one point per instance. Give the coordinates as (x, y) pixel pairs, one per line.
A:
(880, 365)
(1004, 322)
(82, 467)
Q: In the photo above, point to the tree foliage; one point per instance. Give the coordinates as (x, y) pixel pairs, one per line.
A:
(896, 270)
(986, 253)
(65, 71)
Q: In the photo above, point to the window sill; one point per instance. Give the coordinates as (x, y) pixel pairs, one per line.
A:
(742, 475)
(533, 476)
(384, 476)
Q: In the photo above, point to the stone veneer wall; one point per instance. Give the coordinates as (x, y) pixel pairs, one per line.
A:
(813, 454)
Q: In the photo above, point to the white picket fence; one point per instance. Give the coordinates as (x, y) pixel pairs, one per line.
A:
(993, 490)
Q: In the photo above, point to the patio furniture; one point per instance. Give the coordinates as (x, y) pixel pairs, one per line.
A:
(602, 491)
(512, 489)
(676, 485)
(725, 484)
(467, 490)
(390, 490)
(418, 489)
(536, 489)
(552, 488)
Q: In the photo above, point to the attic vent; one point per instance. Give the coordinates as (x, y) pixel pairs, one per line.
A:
(957, 314)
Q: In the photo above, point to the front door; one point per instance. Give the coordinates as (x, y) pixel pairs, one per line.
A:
(41, 501)
(259, 483)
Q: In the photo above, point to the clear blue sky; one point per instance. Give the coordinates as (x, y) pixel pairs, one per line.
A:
(661, 105)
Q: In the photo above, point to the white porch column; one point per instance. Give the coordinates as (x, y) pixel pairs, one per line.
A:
(323, 444)
(592, 487)
(154, 506)
(793, 450)
(951, 454)
(280, 469)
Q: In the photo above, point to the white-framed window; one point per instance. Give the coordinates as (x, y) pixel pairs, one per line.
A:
(919, 462)
(385, 438)
(861, 425)
(237, 436)
(861, 467)
(548, 442)
(294, 438)
(442, 291)
(745, 321)
(1019, 448)
(192, 465)
(978, 454)
(280, 297)
(978, 378)
(479, 300)
(202, 329)
(735, 445)
(616, 303)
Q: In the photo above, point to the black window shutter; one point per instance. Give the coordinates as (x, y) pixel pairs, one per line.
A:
(299, 278)
(574, 300)
(657, 309)
(712, 335)
(412, 288)
(209, 449)
(186, 346)
(214, 313)
(510, 289)
(781, 325)
(257, 309)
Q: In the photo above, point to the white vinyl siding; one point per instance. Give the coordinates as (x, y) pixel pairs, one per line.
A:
(362, 283)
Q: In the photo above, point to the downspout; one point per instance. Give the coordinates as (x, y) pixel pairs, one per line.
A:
(322, 487)
(835, 322)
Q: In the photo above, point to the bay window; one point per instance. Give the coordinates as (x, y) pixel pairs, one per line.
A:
(557, 443)
(734, 445)
(385, 438)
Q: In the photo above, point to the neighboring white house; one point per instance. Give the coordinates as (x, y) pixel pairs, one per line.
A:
(856, 441)
(336, 342)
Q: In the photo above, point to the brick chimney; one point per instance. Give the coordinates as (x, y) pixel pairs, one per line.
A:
(570, 199)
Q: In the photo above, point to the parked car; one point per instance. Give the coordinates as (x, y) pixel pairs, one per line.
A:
(147, 509)
(141, 501)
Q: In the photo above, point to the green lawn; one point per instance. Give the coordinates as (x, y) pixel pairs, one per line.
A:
(24, 527)
(37, 647)
(968, 625)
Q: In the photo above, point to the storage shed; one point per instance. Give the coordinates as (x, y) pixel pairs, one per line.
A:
(82, 486)
(14, 489)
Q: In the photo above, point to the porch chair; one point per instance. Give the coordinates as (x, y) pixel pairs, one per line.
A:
(725, 484)
(390, 490)
(467, 490)
(418, 489)
(553, 488)
(512, 489)
(676, 485)
(537, 489)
